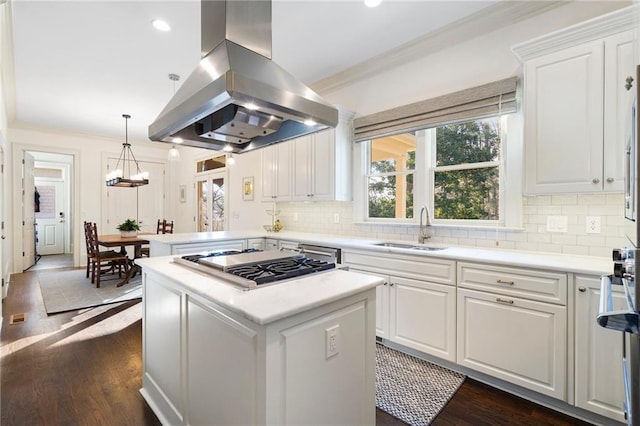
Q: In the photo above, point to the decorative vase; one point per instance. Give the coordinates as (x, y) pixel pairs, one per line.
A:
(125, 234)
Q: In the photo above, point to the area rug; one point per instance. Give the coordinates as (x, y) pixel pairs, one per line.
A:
(70, 290)
(411, 389)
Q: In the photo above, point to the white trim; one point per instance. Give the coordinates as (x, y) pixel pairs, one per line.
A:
(593, 29)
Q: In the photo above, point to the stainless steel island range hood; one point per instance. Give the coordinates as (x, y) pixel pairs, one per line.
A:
(237, 99)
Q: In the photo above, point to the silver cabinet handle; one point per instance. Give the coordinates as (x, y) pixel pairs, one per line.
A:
(582, 289)
(501, 300)
(610, 180)
(505, 282)
(595, 180)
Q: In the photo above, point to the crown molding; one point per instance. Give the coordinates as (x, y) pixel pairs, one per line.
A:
(502, 14)
(583, 32)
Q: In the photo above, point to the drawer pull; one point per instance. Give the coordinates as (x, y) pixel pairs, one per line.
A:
(505, 282)
(501, 300)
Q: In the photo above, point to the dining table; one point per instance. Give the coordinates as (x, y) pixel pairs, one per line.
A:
(117, 240)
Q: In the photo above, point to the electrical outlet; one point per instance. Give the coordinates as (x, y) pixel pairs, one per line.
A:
(593, 225)
(557, 224)
(336, 218)
(332, 341)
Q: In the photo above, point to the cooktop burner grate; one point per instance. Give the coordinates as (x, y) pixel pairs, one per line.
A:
(263, 273)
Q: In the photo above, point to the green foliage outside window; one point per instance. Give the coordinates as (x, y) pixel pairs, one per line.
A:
(468, 193)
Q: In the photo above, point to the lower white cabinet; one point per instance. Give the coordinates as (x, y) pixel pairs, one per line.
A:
(256, 243)
(599, 383)
(161, 248)
(416, 306)
(521, 341)
(508, 329)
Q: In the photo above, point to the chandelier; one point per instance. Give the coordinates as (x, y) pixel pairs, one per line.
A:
(124, 177)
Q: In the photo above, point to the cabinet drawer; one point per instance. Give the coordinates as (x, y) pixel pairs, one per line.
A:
(519, 282)
(198, 247)
(421, 268)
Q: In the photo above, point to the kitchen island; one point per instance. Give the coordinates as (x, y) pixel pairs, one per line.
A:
(301, 351)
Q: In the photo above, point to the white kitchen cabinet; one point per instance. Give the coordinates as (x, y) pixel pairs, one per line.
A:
(520, 340)
(416, 306)
(166, 248)
(204, 364)
(276, 172)
(271, 244)
(256, 243)
(599, 385)
(576, 106)
(322, 163)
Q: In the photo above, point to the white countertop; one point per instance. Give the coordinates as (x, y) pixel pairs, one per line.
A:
(271, 303)
(590, 265)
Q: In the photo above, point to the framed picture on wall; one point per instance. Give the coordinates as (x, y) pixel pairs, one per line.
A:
(247, 188)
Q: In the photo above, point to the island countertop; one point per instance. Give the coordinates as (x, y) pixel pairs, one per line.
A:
(271, 303)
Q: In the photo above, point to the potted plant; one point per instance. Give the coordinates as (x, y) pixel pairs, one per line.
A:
(129, 228)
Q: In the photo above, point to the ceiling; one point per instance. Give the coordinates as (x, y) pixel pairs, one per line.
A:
(79, 65)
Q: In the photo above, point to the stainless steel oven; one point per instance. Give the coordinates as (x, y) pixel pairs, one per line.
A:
(626, 260)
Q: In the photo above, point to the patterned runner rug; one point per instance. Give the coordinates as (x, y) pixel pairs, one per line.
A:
(71, 289)
(411, 389)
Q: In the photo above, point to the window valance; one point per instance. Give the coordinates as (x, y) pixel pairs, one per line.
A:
(477, 102)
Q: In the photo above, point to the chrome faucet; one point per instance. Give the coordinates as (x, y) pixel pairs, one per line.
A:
(423, 233)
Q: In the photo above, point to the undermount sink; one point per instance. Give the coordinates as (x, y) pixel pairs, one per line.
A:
(408, 246)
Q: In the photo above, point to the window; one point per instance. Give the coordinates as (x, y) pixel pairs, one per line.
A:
(390, 177)
(466, 171)
(451, 153)
(457, 170)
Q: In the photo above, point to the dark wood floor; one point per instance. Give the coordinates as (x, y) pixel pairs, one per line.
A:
(84, 368)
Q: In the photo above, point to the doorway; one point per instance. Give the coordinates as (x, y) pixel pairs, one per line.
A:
(210, 188)
(49, 191)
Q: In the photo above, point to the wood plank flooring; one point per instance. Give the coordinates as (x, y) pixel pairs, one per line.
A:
(85, 367)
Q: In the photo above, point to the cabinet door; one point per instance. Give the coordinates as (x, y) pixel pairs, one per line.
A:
(276, 172)
(323, 166)
(422, 316)
(269, 167)
(517, 340)
(617, 106)
(564, 120)
(210, 246)
(599, 383)
(302, 168)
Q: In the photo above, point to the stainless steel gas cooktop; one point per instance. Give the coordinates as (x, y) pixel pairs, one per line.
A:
(252, 268)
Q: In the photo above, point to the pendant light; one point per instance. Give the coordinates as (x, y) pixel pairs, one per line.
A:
(123, 177)
(174, 153)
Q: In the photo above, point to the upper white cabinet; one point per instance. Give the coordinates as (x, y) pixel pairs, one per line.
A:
(315, 167)
(276, 172)
(575, 105)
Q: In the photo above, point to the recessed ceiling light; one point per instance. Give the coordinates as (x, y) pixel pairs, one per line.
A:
(372, 3)
(251, 106)
(309, 122)
(160, 25)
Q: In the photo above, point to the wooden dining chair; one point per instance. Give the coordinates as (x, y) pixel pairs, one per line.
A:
(163, 227)
(104, 261)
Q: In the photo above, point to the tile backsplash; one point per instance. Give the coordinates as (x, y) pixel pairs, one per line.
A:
(551, 223)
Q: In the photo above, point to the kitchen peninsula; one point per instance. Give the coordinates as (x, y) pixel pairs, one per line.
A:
(299, 351)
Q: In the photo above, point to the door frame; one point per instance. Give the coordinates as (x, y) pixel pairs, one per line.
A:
(18, 150)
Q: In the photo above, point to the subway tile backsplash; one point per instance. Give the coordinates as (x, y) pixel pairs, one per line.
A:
(320, 217)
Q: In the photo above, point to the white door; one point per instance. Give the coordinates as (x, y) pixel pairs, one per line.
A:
(144, 203)
(3, 258)
(28, 213)
(210, 189)
(50, 217)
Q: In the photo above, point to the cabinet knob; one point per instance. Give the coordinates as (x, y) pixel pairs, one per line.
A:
(628, 83)
(582, 289)
(384, 283)
(610, 180)
(390, 284)
(595, 180)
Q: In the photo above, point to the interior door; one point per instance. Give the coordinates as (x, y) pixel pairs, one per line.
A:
(28, 213)
(211, 201)
(143, 203)
(50, 217)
